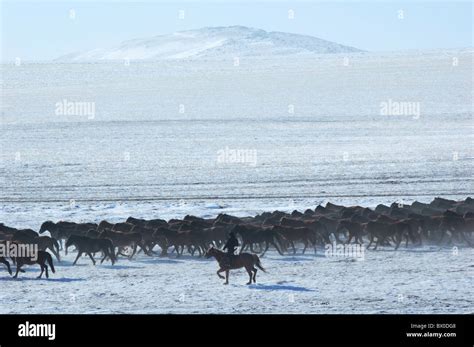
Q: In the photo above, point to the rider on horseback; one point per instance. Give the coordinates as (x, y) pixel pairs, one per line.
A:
(231, 244)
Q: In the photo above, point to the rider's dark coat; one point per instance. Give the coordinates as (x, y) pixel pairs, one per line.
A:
(231, 244)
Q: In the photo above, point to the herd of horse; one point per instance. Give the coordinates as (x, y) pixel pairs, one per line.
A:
(440, 222)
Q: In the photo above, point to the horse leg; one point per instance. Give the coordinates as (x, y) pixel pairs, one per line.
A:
(164, 251)
(18, 269)
(143, 247)
(276, 247)
(226, 277)
(450, 241)
(105, 256)
(379, 240)
(150, 246)
(336, 236)
(92, 258)
(78, 255)
(134, 250)
(42, 270)
(314, 246)
(266, 248)
(218, 273)
(119, 251)
(249, 271)
(254, 274)
(46, 269)
(111, 255)
(419, 234)
(56, 254)
(305, 245)
(146, 249)
(371, 241)
(349, 239)
(294, 248)
(399, 241)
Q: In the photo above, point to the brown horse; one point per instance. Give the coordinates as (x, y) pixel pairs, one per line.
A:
(43, 242)
(89, 245)
(62, 230)
(42, 258)
(247, 260)
(123, 239)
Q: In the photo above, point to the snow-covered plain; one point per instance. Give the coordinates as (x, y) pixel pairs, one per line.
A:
(151, 150)
(421, 280)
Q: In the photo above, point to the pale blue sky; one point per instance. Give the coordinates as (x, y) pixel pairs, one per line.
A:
(41, 30)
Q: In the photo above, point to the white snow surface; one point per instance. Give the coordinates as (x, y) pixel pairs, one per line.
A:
(212, 42)
(422, 280)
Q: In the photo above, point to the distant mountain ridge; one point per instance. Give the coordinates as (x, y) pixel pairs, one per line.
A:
(213, 42)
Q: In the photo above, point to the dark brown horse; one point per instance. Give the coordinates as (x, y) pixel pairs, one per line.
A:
(62, 229)
(43, 242)
(354, 229)
(252, 235)
(89, 245)
(247, 260)
(122, 240)
(297, 234)
(41, 259)
(119, 227)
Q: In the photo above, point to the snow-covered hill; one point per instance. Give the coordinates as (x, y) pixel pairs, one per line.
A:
(213, 42)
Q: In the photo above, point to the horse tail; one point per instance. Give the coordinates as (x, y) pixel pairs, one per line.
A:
(257, 262)
(49, 259)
